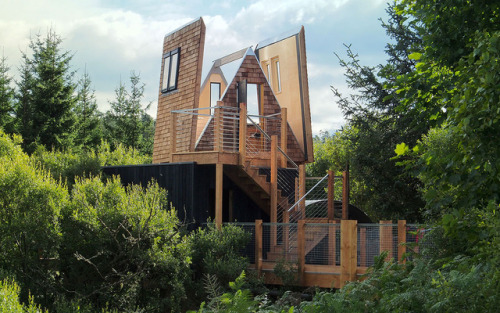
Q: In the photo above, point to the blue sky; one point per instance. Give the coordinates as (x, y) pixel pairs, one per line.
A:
(111, 38)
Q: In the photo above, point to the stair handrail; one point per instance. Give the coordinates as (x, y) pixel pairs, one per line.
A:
(305, 195)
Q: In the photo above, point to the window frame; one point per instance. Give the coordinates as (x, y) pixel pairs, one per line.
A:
(166, 87)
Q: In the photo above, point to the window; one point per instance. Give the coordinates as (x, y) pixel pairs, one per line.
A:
(276, 74)
(170, 70)
(214, 95)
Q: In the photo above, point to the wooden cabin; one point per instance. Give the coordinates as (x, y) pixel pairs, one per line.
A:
(233, 147)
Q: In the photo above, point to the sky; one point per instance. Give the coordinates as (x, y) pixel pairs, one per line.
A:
(111, 38)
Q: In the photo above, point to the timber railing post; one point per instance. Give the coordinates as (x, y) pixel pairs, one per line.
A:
(274, 187)
(331, 194)
(218, 129)
(332, 241)
(401, 240)
(348, 250)
(302, 190)
(243, 133)
(258, 247)
(301, 249)
(284, 136)
(345, 195)
(173, 133)
(385, 235)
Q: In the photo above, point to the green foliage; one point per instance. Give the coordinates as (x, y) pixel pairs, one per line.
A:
(216, 253)
(288, 272)
(87, 129)
(9, 300)
(127, 122)
(6, 97)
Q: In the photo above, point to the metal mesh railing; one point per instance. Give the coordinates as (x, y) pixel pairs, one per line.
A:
(373, 239)
(279, 242)
(314, 203)
(259, 132)
(198, 129)
(322, 244)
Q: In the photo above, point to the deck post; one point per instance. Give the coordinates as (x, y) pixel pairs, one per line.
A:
(348, 251)
(332, 240)
(219, 167)
(345, 195)
(284, 136)
(302, 190)
(258, 247)
(401, 240)
(173, 134)
(243, 133)
(362, 246)
(385, 241)
(274, 187)
(218, 129)
(331, 195)
(301, 249)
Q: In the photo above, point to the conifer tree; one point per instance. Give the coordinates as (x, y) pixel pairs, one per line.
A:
(6, 97)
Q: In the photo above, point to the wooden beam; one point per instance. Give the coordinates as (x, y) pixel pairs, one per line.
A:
(385, 241)
(348, 250)
(332, 241)
(243, 133)
(302, 189)
(401, 240)
(258, 247)
(331, 195)
(345, 195)
(219, 174)
(301, 248)
(284, 136)
(218, 128)
(274, 187)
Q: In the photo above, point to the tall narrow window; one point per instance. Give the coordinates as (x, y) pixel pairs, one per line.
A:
(214, 95)
(253, 101)
(170, 70)
(278, 76)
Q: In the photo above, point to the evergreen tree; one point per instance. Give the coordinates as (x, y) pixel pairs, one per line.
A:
(24, 104)
(53, 96)
(127, 122)
(6, 97)
(87, 130)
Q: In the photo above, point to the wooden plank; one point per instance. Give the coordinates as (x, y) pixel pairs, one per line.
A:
(331, 195)
(218, 194)
(218, 129)
(345, 195)
(301, 248)
(385, 236)
(207, 157)
(243, 133)
(348, 250)
(284, 136)
(302, 189)
(332, 260)
(401, 240)
(362, 246)
(258, 247)
(274, 187)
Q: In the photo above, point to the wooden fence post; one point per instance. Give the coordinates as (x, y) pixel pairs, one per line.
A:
(401, 240)
(284, 136)
(345, 195)
(331, 195)
(385, 238)
(218, 128)
(274, 187)
(332, 243)
(302, 190)
(258, 247)
(301, 248)
(348, 250)
(243, 133)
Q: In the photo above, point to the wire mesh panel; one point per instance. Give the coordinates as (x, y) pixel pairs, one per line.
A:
(322, 244)
(373, 239)
(279, 241)
(313, 205)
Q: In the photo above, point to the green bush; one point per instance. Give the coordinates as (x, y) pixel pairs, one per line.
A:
(9, 300)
